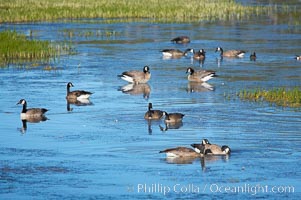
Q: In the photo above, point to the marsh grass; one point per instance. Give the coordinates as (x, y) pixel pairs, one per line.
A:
(279, 96)
(16, 48)
(103, 34)
(161, 11)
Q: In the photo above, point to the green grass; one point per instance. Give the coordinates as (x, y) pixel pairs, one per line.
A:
(16, 48)
(104, 34)
(156, 10)
(279, 96)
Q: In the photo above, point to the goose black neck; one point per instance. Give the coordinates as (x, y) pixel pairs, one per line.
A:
(68, 89)
(150, 106)
(222, 51)
(24, 108)
(167, 116)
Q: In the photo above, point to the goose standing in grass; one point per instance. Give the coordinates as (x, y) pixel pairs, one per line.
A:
(211, 149)
(199, 76)
(77, 94)
(153, 114)
(173, 117)
(181, 39)
(230, 53)
(298, 57)
(253, 56)
(136, 77)
(175, 53)
(180, 152)
(31, 112)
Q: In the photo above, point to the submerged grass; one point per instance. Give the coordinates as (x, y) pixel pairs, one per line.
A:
(279, 96)
(163, 11)
(104, 34)
(17, 48)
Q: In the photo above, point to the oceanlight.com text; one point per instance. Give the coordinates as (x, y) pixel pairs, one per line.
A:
(252, 189)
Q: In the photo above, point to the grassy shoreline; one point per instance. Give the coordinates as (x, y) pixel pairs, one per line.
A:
(278, 96)
(161, 11)
(17, 48)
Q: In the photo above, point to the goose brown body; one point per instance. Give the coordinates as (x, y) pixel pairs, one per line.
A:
(174, 53)
(180, 152)
(253, 56)
(153, 114)
(199, 55)
(137, 77)
(207, 148)
(31, 112)
(181, 39)
(173, 117)
(77, 94)
(199, 76)
(230, 53)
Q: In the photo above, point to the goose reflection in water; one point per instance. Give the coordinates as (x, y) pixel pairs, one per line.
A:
(208, 159)
(204, 160)
(37, 119)
(200, 63)
(199, 87)
(137, 89)
(151, 123)
(181, 160)
(171, 125)
(77, 102)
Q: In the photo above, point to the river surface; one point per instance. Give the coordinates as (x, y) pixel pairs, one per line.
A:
(104, 149)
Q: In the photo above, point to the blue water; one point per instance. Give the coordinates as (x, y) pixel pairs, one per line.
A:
(105, 149)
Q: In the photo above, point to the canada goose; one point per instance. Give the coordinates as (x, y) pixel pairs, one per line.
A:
(137, 89)
(180, 152)
(181, 39)
(253, 56)
(136, 77)
(200, 55)
(31, 112)
(217, 150)
(230, 53)
(298, 57)
(175, 53)
(77, 94)
(173, 117)
(211, 149)
(153, 114)
(199, 76)
(200, 148)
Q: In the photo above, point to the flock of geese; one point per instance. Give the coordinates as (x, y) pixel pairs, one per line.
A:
(35, 115)
(142, 77)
